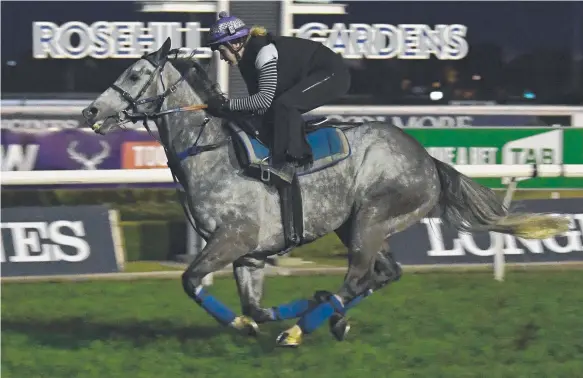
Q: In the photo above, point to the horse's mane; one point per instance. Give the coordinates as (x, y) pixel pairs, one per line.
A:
(197, 77)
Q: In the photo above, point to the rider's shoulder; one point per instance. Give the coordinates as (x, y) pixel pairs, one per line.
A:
(266, 54)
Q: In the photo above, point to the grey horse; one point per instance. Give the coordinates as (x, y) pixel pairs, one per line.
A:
(386, 183)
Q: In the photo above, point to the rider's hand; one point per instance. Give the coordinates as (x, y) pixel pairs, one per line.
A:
(218, 106)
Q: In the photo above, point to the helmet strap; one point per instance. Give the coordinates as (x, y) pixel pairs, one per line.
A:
(236, 51)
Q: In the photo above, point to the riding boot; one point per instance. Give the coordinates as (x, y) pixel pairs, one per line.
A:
(287, 216)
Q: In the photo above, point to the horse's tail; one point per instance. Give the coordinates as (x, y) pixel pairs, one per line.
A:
(469, 206)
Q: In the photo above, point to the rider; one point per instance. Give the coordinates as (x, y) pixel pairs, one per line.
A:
(286, 77)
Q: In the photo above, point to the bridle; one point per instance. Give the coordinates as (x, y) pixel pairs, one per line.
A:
(134, 102)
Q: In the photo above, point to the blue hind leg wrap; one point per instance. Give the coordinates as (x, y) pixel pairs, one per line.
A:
(356, 300)
(314, 318)
(214, 307)
(299, 307)
(291, 310)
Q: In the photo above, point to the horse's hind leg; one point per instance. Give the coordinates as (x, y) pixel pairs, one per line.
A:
(223, 248)
(366, 239)
(386, 270)
(249, 277)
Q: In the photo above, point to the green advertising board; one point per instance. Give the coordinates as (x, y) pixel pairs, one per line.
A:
(458, 146)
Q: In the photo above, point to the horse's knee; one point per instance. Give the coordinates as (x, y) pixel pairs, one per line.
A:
(190, 283)
(249, 262)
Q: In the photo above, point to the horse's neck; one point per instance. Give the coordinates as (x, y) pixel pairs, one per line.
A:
(180, 130)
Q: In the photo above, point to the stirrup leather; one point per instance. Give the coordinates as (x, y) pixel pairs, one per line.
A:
(287, 216)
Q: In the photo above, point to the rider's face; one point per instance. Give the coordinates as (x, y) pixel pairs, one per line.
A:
(228, 56)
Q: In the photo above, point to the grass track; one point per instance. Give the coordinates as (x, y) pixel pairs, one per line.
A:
(430, 325)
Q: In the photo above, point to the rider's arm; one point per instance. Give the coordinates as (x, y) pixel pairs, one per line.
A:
(266, 64)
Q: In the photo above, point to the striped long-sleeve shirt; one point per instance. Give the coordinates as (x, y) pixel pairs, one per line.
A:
(266, 64)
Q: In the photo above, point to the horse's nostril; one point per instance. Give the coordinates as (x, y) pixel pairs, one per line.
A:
(90, 112)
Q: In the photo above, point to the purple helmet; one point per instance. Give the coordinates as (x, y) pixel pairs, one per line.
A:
(227, 28)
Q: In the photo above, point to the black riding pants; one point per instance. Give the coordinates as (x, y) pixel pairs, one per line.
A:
(327, 80)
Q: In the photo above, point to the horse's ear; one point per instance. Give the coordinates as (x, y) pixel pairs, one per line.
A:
(163, 51)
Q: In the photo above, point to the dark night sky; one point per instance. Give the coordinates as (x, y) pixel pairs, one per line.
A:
(515, 25)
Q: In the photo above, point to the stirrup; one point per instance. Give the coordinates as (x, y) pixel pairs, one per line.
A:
(268, 169)
(265, 172)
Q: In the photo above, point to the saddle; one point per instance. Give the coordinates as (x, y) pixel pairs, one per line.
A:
(329, 147)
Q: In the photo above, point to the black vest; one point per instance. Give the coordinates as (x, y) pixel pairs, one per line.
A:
(293, 64)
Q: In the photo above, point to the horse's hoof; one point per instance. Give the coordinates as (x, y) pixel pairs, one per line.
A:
(339, 327)
(290, 338)
(246, 325)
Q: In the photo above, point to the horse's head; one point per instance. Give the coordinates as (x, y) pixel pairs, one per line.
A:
(135, 92)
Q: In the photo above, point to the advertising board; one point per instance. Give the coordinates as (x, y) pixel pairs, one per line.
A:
(46, 241)
(428, 120)
(429, 242)
(507, 146)
(76, 149)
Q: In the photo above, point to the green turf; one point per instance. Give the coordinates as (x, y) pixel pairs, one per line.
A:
(543, 193)
(147, 266)
(431, 325)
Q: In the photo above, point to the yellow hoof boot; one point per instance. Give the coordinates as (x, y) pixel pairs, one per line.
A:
(290, 338)
(246, 324)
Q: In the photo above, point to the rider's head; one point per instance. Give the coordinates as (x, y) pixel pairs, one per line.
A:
(229, 35)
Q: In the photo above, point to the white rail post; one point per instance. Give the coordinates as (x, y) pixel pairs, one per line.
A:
(222, 67)
(499, 258)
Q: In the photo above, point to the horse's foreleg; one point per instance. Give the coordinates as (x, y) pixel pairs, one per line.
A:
(250, 276)
(224, 247)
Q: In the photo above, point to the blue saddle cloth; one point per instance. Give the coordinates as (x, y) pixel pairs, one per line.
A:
(329, 147)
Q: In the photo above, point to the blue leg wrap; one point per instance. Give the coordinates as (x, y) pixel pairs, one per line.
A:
(219, 311)
(357, 300)
(291, 310)
(319, 314)
(299, 307)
